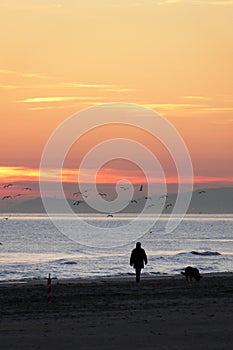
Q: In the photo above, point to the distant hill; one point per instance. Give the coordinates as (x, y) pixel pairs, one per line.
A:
(207, 201)
(215, 200)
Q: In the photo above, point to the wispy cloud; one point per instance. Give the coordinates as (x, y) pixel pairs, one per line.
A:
(12, 173)
(197, 2)
(66, 106)
(10, 86)
(16, 175)
(91, 86)
(104, 87)
(217, 109)
(24, 75)
(49, 108)
(55, 99)
(171, 106)
(169, 2)
(188, 106)
(59, 86)
(220, 3)
(196, 97)
(33, 81)
(92, 101)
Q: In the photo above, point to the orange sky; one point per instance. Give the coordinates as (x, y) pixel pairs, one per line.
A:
(173, 56)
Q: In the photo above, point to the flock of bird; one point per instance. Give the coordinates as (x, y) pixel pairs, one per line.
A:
(7, 186)
(84, 194)
(162, 198)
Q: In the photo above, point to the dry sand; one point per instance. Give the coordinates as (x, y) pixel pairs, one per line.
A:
(160, 313)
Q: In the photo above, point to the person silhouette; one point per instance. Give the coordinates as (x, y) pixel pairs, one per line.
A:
(137, 259)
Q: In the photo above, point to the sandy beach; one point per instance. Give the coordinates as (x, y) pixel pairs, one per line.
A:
(158, 313)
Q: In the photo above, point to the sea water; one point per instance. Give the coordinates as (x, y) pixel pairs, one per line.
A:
(31, 246)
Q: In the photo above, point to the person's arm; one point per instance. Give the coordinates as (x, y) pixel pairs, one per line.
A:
(145, 257)
(131, 259)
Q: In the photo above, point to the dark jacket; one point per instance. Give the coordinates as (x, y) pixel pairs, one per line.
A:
(138, 258)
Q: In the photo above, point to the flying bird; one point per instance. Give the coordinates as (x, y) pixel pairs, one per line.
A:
(27, 188)
(77, 202)
(133, 201)
(202, 191)
(102, 194)
(6, 197)
(18, 195)
(7, 185)
(109, 216)
(168, 205)
(124, 188)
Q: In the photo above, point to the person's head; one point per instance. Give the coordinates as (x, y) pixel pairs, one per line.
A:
(138, 245)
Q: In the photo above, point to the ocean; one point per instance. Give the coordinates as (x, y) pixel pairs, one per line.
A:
(31, 246)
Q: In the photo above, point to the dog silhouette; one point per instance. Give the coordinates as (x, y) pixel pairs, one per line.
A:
(190, 273)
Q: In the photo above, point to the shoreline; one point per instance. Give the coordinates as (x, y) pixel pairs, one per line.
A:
(123, 278)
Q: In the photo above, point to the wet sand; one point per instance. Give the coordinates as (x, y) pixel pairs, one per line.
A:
(159, 313)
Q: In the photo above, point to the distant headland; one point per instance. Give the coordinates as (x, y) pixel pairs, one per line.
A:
(204, 201)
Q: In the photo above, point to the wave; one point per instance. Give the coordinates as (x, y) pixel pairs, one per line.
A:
(206, 253)
(157, 273)
(69, 263)
(195, 252)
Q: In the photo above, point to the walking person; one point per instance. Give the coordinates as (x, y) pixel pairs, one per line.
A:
(137, 259)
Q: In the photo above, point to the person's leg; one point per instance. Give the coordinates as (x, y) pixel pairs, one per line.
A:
(138, 272)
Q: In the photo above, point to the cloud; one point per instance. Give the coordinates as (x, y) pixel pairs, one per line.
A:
(220, 3)
(81, 85)
(67, 106)
(170, 106)
(187, 106)
(18, 174)
(14, 173)
(92, 101)
(24, 75)
(49, 108)
(52, 99)
(196, 97)
(10, 86)
(168, 2)
(119, 90)
(196, 2)
(218, 109)
(103, 87)
(30, 84)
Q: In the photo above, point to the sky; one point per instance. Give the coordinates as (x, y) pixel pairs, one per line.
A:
(59, 57)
